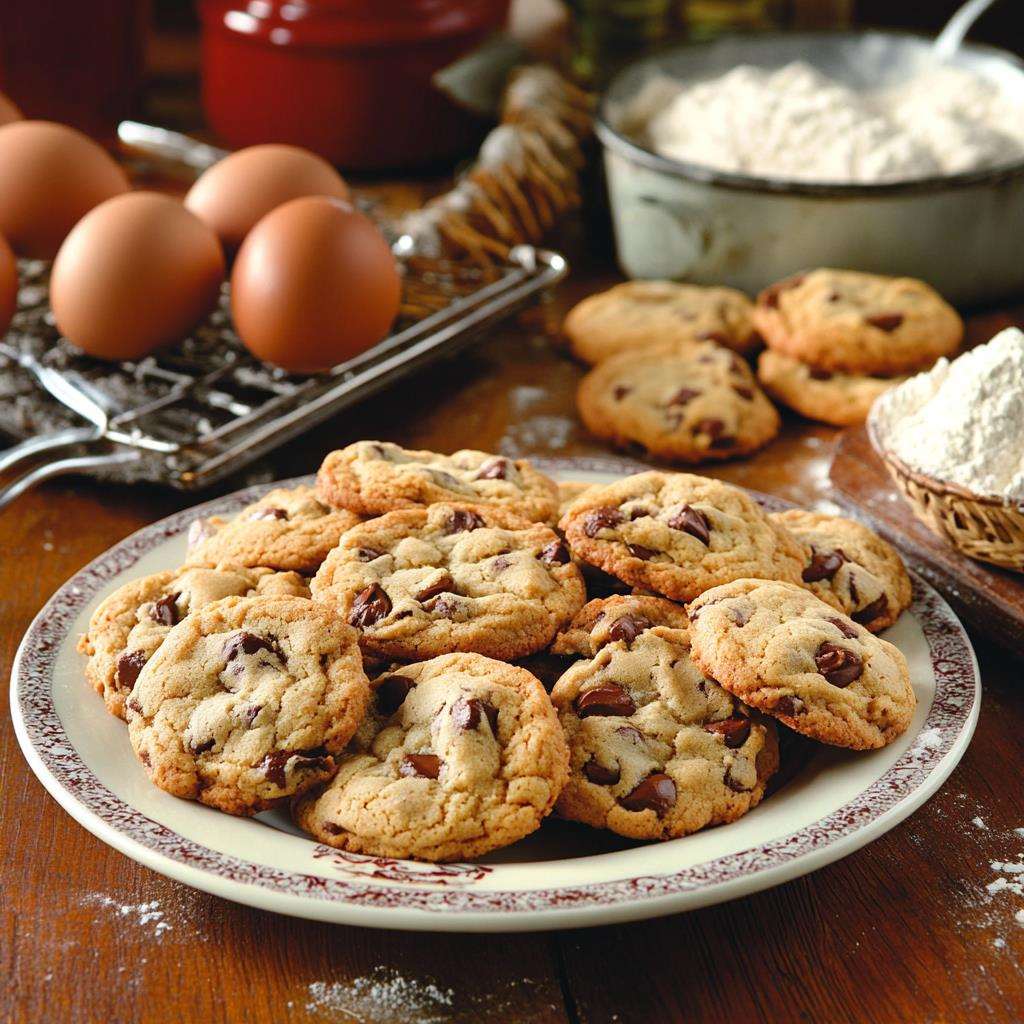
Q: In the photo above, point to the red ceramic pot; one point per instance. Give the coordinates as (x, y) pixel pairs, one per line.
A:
(349, 79)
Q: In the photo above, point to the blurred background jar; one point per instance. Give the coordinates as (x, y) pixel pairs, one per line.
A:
(80, 62)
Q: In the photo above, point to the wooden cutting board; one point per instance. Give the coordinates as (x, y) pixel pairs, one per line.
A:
(989, 598)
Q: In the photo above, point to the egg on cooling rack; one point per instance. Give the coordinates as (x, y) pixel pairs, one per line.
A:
(137, 273)
(314, 284)
(8, 285)
(50, 177)
(242, 188)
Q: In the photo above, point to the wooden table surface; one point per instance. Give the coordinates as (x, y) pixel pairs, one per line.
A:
(903, 930)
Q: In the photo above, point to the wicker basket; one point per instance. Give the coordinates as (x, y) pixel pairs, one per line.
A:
(984, 527)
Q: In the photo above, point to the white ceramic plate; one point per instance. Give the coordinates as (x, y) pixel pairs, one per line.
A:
(563, 876)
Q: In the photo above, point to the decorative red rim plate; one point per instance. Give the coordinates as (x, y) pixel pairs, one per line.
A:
(462, 889)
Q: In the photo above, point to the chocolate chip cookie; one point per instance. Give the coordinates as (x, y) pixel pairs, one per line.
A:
(678, 534)
(373, 477)
(850, 567)
(132, 622)
(858, 323)
(286, 529)
(621, 616)
(830, 396)
(656, 750)
(422, 582)
(785, 652)
(247, 701)
(458, 756)
(637, 314)
(683, 403)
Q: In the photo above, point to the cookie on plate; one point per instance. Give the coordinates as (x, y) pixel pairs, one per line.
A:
(619, 617)
(851, 567)
(859, 323)
(637, 314)
(246, 701)
(829, 396)
(374, 477)
(132, 622)
(684, 403)
(785, 652)
(678, 534)
(458, 756)
(422, 582)
(286, 529)
(656, 750)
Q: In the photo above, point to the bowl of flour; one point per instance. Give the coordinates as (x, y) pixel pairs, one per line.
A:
(953, 441)
(744, 160)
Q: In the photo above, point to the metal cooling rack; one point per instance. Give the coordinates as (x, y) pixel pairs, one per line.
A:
(204, 409)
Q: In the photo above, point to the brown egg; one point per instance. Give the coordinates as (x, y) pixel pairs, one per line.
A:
(313, 285)
(8, 285)
(135, 274)
(8, 110)
(50, 177)
(242, 188)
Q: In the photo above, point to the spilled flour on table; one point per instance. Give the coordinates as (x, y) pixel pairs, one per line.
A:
(381, 997)
(148, 915)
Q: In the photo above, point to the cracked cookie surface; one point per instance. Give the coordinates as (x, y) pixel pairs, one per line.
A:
(684, 403)
(785, 652)
(130, 624)
(860, 323)
(457, 756)
(656, 749)
(374, 477)
(288, 528)
(638, 314)
(850, 567)
(246, 701)
(418, 583)
(678, 534)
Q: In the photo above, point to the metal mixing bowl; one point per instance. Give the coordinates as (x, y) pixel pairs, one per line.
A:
(963, 233)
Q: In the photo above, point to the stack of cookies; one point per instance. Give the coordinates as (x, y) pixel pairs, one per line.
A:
(355, 651)
(837, 339)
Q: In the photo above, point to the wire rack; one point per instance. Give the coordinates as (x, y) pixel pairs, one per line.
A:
(204, 409)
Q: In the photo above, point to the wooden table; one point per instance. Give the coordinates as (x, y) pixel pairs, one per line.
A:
(902, 931)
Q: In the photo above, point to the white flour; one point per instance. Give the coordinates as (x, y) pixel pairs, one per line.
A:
(795, 123)
(962, 421)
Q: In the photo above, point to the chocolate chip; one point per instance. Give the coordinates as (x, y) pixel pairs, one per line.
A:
(817, 374)
(692, 521)
(740, 613)
(734, 784)
(656, 793)
(446, 480)
(132, 704)
(638, 513)
(887, 322)
(628, 628)
(770, 296)
(601, 519)
(202, 748)
(599, 775)
(276, 761)
(604, 699)
(789, 706)
(468, 711)
(129, 665)
(444, 584)
(247, 643)
(145, 759)
(714, 429)
(744, 392)
(496, 469)
(871, 611)
(371, 605)
(683, 396)
(823, 565)
(641, 552)
(331, 829)
(844, 628)
(837, 664)
(391, 693)
(717, 336)
(733, 730)
(165, 611)
(267, 513)
(252, 713)
(463, 521)
(426, 766)
(555, 553)
(368, 554)
(620, 391)
(629, 733)
(500, 564)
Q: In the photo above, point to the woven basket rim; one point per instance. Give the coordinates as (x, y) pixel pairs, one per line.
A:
(940, 488)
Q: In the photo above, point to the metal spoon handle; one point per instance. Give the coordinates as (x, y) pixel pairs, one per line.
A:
(10, 457)
(949, 39)
(75, 464)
